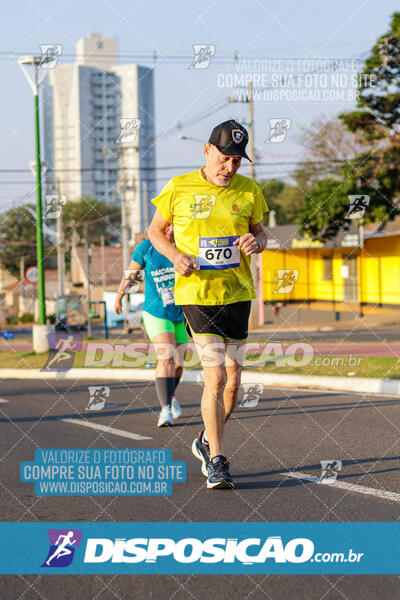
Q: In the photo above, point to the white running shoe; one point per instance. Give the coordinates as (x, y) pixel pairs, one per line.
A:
(175, 408)
(165, 418)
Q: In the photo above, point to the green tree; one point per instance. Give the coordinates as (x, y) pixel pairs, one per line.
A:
(377, 118)
(328, 144)
(101, 219)
(375, 169)
(18, 239)
(271, 189)
(18, 231)
(379, 98)
(321, 212)
(290, 201)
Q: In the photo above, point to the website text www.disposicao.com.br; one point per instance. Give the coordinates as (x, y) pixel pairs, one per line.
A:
(213, 550)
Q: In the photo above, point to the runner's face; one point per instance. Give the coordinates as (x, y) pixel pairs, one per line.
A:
(220, 168)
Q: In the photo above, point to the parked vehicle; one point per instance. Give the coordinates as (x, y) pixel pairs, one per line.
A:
(70, 313)
(134, 319)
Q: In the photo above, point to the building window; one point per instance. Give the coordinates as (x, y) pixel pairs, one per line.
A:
(327, 270)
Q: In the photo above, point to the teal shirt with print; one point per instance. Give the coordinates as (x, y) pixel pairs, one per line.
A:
(159, 283)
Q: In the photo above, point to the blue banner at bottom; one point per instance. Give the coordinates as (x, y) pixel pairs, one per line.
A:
(208, 548)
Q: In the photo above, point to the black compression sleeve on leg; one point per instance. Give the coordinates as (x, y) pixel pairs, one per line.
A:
(177, 380)
(165, 387)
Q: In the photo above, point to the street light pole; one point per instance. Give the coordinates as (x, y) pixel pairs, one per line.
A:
(145, 205)
(360, 225)
(35, 61)
(257, 305)
(39, 215)
(251, 130)
(124, 228)
(60, 250)
(88, 265)
(256, 314)
(40, 343)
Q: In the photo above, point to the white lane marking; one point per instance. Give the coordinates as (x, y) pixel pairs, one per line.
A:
(3, 401)
(106, 429)
(336, 392)
(351, 487)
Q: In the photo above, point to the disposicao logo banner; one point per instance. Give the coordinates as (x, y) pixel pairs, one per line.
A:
(213, 548)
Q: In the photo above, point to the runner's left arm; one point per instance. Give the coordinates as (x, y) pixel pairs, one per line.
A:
(260, 234)
(253, 242)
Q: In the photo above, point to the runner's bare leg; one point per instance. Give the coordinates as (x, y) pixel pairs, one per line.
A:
(234, 372)
(164, 345)
(211, 350)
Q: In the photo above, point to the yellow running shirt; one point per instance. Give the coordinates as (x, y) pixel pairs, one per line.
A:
(206, 219)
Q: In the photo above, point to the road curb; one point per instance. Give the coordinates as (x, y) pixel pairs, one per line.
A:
(358, 385)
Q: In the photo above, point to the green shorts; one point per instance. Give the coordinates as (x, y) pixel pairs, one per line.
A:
(155, 325)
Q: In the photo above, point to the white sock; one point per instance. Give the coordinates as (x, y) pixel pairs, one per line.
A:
(204, 437)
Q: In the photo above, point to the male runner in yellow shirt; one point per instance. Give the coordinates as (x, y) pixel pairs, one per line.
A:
(218, 223)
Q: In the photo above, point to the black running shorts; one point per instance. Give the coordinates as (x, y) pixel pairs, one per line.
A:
(228, 321)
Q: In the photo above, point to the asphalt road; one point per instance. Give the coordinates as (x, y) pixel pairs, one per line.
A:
(288, 430)
(375, 334)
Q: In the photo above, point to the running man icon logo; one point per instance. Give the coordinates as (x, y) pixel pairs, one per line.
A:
(129, 128)
(62, 547)
(50, 54)
(98, 395)
(132, 280)
(357, 207)
(54, 204)
(66, 347)
(387, 49)
(286, 280)
(203, 54)
(330, 470)
(203, 203)
(278, 129)
(251, 394)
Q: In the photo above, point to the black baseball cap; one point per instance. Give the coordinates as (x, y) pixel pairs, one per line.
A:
(230, 137)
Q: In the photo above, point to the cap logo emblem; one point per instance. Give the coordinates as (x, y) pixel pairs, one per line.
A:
(237, 135)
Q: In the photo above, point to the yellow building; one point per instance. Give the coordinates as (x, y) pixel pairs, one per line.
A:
(299, 269)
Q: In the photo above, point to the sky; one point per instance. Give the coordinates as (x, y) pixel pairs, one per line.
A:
(283, 41)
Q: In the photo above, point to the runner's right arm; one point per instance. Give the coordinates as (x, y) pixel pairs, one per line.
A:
(134, 266)
(183, 263)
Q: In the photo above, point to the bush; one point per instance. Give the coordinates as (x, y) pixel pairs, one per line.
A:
(12, 320)
(26, 318)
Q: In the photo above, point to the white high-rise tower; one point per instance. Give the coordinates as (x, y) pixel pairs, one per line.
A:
(82, 104)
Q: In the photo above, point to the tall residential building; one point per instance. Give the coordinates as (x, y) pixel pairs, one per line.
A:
(85, 153)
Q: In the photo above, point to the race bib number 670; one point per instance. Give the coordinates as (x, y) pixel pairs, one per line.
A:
(218, 253)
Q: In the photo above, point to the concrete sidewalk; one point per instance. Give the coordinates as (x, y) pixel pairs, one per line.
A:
(287, 321)
(359, 385)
